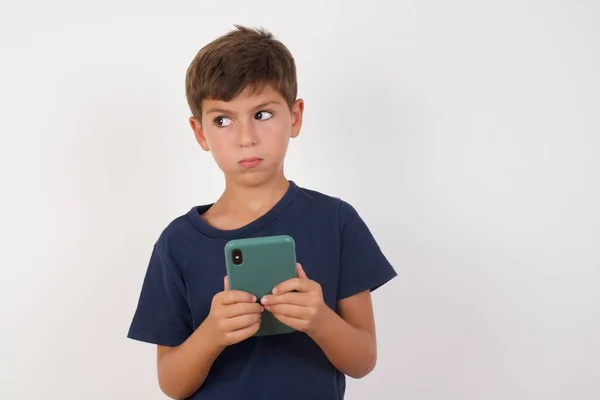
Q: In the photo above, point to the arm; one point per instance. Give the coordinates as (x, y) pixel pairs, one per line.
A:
(234, 316)
(163, 317)
(183, 369)
(348, 339)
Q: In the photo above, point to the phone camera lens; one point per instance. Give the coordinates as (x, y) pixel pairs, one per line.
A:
(237, 256)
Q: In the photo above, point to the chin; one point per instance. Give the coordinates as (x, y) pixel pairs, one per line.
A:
(254, 178)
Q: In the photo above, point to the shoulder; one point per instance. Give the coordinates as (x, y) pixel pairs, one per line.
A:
(176, 236)
(329, 204)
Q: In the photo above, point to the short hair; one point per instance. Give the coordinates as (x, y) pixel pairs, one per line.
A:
(243, 58)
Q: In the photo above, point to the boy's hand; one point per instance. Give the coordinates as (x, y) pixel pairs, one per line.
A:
(298, 303)
(234, 316)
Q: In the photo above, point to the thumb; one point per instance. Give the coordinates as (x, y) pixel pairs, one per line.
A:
(226, 282)
(300, 271)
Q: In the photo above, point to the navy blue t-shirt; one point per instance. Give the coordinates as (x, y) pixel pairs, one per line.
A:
(186, 270)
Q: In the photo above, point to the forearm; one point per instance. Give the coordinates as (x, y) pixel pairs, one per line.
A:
(351, 350)
(183, 369)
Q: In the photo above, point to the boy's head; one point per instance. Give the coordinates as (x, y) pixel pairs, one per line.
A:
(241, 89)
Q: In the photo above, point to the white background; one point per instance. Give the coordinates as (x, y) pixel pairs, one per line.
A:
(466, 134)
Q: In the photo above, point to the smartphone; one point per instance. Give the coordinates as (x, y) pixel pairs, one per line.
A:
(256, 266)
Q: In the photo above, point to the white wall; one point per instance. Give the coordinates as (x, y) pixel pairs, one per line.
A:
(465, 132)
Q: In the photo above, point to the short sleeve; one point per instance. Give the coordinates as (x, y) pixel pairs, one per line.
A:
(163, 315)
(363, 264)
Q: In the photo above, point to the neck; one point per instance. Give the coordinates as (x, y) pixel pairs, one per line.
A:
(254, 198)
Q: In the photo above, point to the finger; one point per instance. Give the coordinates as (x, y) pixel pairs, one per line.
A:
(237, 309)
(226, 282)
(239, 322)
(289, 310)
(297, 298)
(236, 296)
(298, 284)
(295, 323)
(300, 271)
(242, 334)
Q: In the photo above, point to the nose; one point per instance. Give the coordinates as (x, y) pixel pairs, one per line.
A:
(246, 135)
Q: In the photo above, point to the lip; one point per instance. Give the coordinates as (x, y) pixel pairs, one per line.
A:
(250, 162)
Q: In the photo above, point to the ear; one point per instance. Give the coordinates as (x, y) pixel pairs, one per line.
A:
(297, 112)
(199, 133)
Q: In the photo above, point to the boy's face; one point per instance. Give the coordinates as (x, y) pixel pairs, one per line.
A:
(248, 136)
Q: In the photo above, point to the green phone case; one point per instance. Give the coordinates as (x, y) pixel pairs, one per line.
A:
(257, 265)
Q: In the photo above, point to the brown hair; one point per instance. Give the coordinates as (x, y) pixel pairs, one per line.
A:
(243, 58)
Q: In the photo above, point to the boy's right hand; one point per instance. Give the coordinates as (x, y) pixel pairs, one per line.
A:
(234, 316)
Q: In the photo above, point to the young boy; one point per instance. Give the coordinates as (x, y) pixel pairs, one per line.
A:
(241, 89)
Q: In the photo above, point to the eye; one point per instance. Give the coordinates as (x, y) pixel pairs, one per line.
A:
(222, 121)
(263, 115)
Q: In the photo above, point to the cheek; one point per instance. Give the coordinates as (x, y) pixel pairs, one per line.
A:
(219, 147)
(275, 144)
(277, 136)
(277, 151)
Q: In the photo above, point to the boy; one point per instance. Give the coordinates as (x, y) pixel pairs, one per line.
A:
(241, 89)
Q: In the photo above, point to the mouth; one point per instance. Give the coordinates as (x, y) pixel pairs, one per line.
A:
(250, 162)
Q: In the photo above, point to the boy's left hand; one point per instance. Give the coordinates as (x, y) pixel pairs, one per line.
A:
(298, 303)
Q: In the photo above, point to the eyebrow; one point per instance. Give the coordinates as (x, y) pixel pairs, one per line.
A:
(230, 112)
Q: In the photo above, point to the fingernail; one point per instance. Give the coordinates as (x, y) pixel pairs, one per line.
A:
(263, 300)
(254, 299)
(274, 290)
